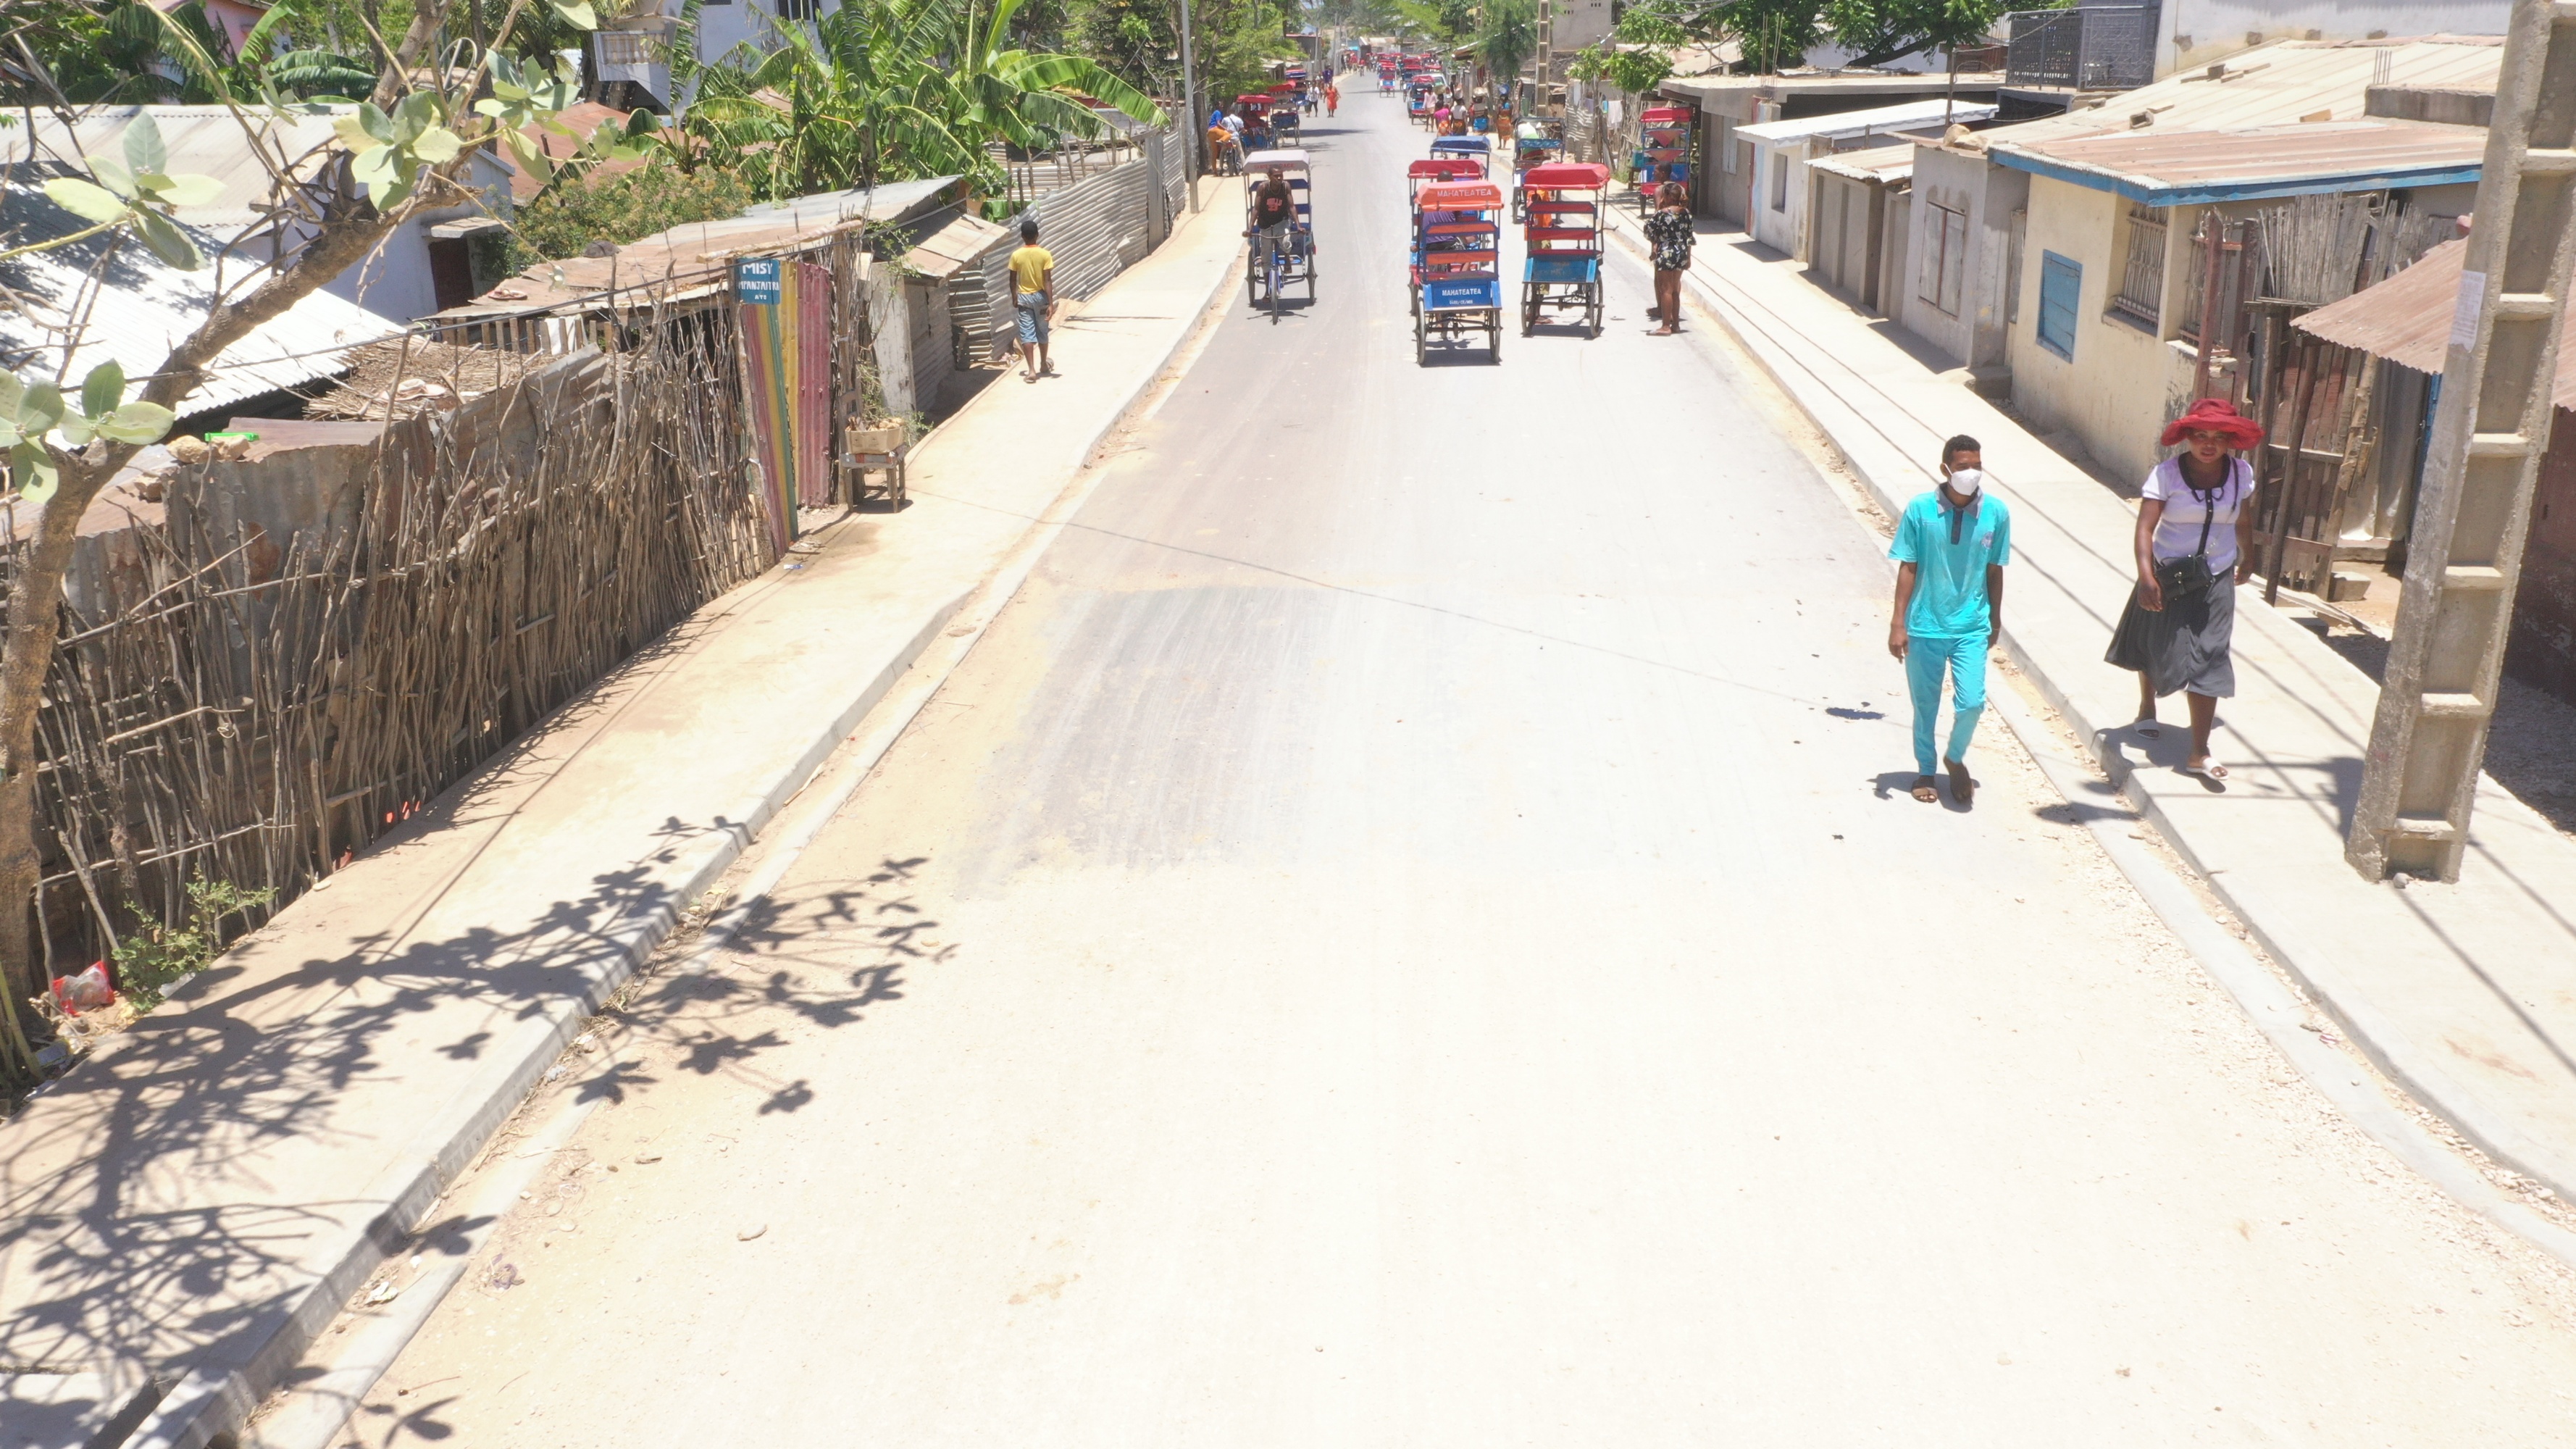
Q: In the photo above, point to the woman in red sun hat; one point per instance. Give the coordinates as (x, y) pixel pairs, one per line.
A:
(2195, 543)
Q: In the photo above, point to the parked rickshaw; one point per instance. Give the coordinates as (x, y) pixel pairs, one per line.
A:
(1254, 108)
(1457, 266)
(1479, 149)
(1562, 269)
(1440, 168)
(1535, 143)
(1267, 272)
(1417, 100)
(1664, 137)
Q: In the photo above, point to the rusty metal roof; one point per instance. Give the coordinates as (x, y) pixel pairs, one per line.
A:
(2162, 166)
(2407, 319)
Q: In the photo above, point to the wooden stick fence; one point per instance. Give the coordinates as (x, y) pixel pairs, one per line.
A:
(263, 708)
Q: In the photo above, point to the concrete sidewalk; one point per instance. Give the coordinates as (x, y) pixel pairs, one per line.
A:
(200, 1197)
(2461, 993)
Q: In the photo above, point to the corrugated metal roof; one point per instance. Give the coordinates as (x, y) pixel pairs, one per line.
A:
(890, 202)
(2407, 319)
(143, 307)
(2278, 84)
(955, 245)
(696, 256)
(1910, 116)
(2162, 166)
(1879, 163)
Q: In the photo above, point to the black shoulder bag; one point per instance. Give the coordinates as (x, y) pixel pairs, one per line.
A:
(2191, 573)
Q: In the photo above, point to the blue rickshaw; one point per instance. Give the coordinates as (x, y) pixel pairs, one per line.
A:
(1267, 275)
(1457, 266)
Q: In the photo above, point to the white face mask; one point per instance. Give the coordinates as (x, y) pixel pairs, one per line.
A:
(1967, 482)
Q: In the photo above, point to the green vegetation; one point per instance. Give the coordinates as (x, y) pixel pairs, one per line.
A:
(890, 90)
(1776, 34)
(123, 51)
(565, 219)
(154, 957)
(1886, 30)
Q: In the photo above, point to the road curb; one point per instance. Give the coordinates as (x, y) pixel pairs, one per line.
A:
(2386, 1046)
(207, 1403)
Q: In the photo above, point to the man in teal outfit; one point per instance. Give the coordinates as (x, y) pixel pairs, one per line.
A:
(1950, 551)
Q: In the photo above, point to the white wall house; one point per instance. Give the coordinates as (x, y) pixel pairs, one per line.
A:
(630, 52)
(1781, 188)
(2106, 337)
(423, 266)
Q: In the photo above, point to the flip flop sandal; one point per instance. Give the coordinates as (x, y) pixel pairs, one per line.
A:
(2147, 728)
(2209, 770)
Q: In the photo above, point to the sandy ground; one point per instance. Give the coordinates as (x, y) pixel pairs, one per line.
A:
(1409, 931)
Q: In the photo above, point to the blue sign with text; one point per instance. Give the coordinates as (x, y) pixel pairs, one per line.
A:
(758, 283)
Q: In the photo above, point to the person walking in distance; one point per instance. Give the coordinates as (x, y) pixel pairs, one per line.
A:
(2194, 544)
(1669, 233)
(1950, 550)
(1332, 100)
(1033, 300)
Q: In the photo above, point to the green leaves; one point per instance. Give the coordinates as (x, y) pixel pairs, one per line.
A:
(35, 472)
(31, 410)
(136, 422)
(40, 407)
(167, 242)
(144, 150)
(136, 192)
(81, 199)
(104, 388)
(578, 15)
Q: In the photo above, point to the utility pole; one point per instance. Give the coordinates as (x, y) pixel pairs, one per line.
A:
(2464, 553)
(1195, 133)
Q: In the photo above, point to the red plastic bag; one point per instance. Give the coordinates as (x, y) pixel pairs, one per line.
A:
(84, 991)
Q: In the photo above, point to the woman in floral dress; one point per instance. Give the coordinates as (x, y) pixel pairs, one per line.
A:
(1668, 231)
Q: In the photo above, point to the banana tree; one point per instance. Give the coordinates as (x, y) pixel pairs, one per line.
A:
(1031, 98)
(855, 100)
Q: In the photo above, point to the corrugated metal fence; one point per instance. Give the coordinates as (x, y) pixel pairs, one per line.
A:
(1097, 226)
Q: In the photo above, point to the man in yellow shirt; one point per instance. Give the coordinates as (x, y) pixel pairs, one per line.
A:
(1033, 300)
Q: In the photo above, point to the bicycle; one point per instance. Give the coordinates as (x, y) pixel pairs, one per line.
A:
(1274, 267)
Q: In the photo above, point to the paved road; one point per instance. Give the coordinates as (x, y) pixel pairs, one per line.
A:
(1409, 932)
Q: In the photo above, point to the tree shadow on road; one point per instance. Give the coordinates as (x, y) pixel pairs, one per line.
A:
(158, 1203)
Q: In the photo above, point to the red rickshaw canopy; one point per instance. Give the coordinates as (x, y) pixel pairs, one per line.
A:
(1567, 176)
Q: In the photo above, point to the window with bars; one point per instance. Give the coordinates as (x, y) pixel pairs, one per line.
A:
(2195, 281)
(1943, 274)
(799, 9)
(2142, 271)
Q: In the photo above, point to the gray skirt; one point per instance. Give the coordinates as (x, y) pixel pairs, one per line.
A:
(2184, 644)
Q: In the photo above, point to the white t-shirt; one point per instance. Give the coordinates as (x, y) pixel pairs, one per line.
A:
(2178, 532)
